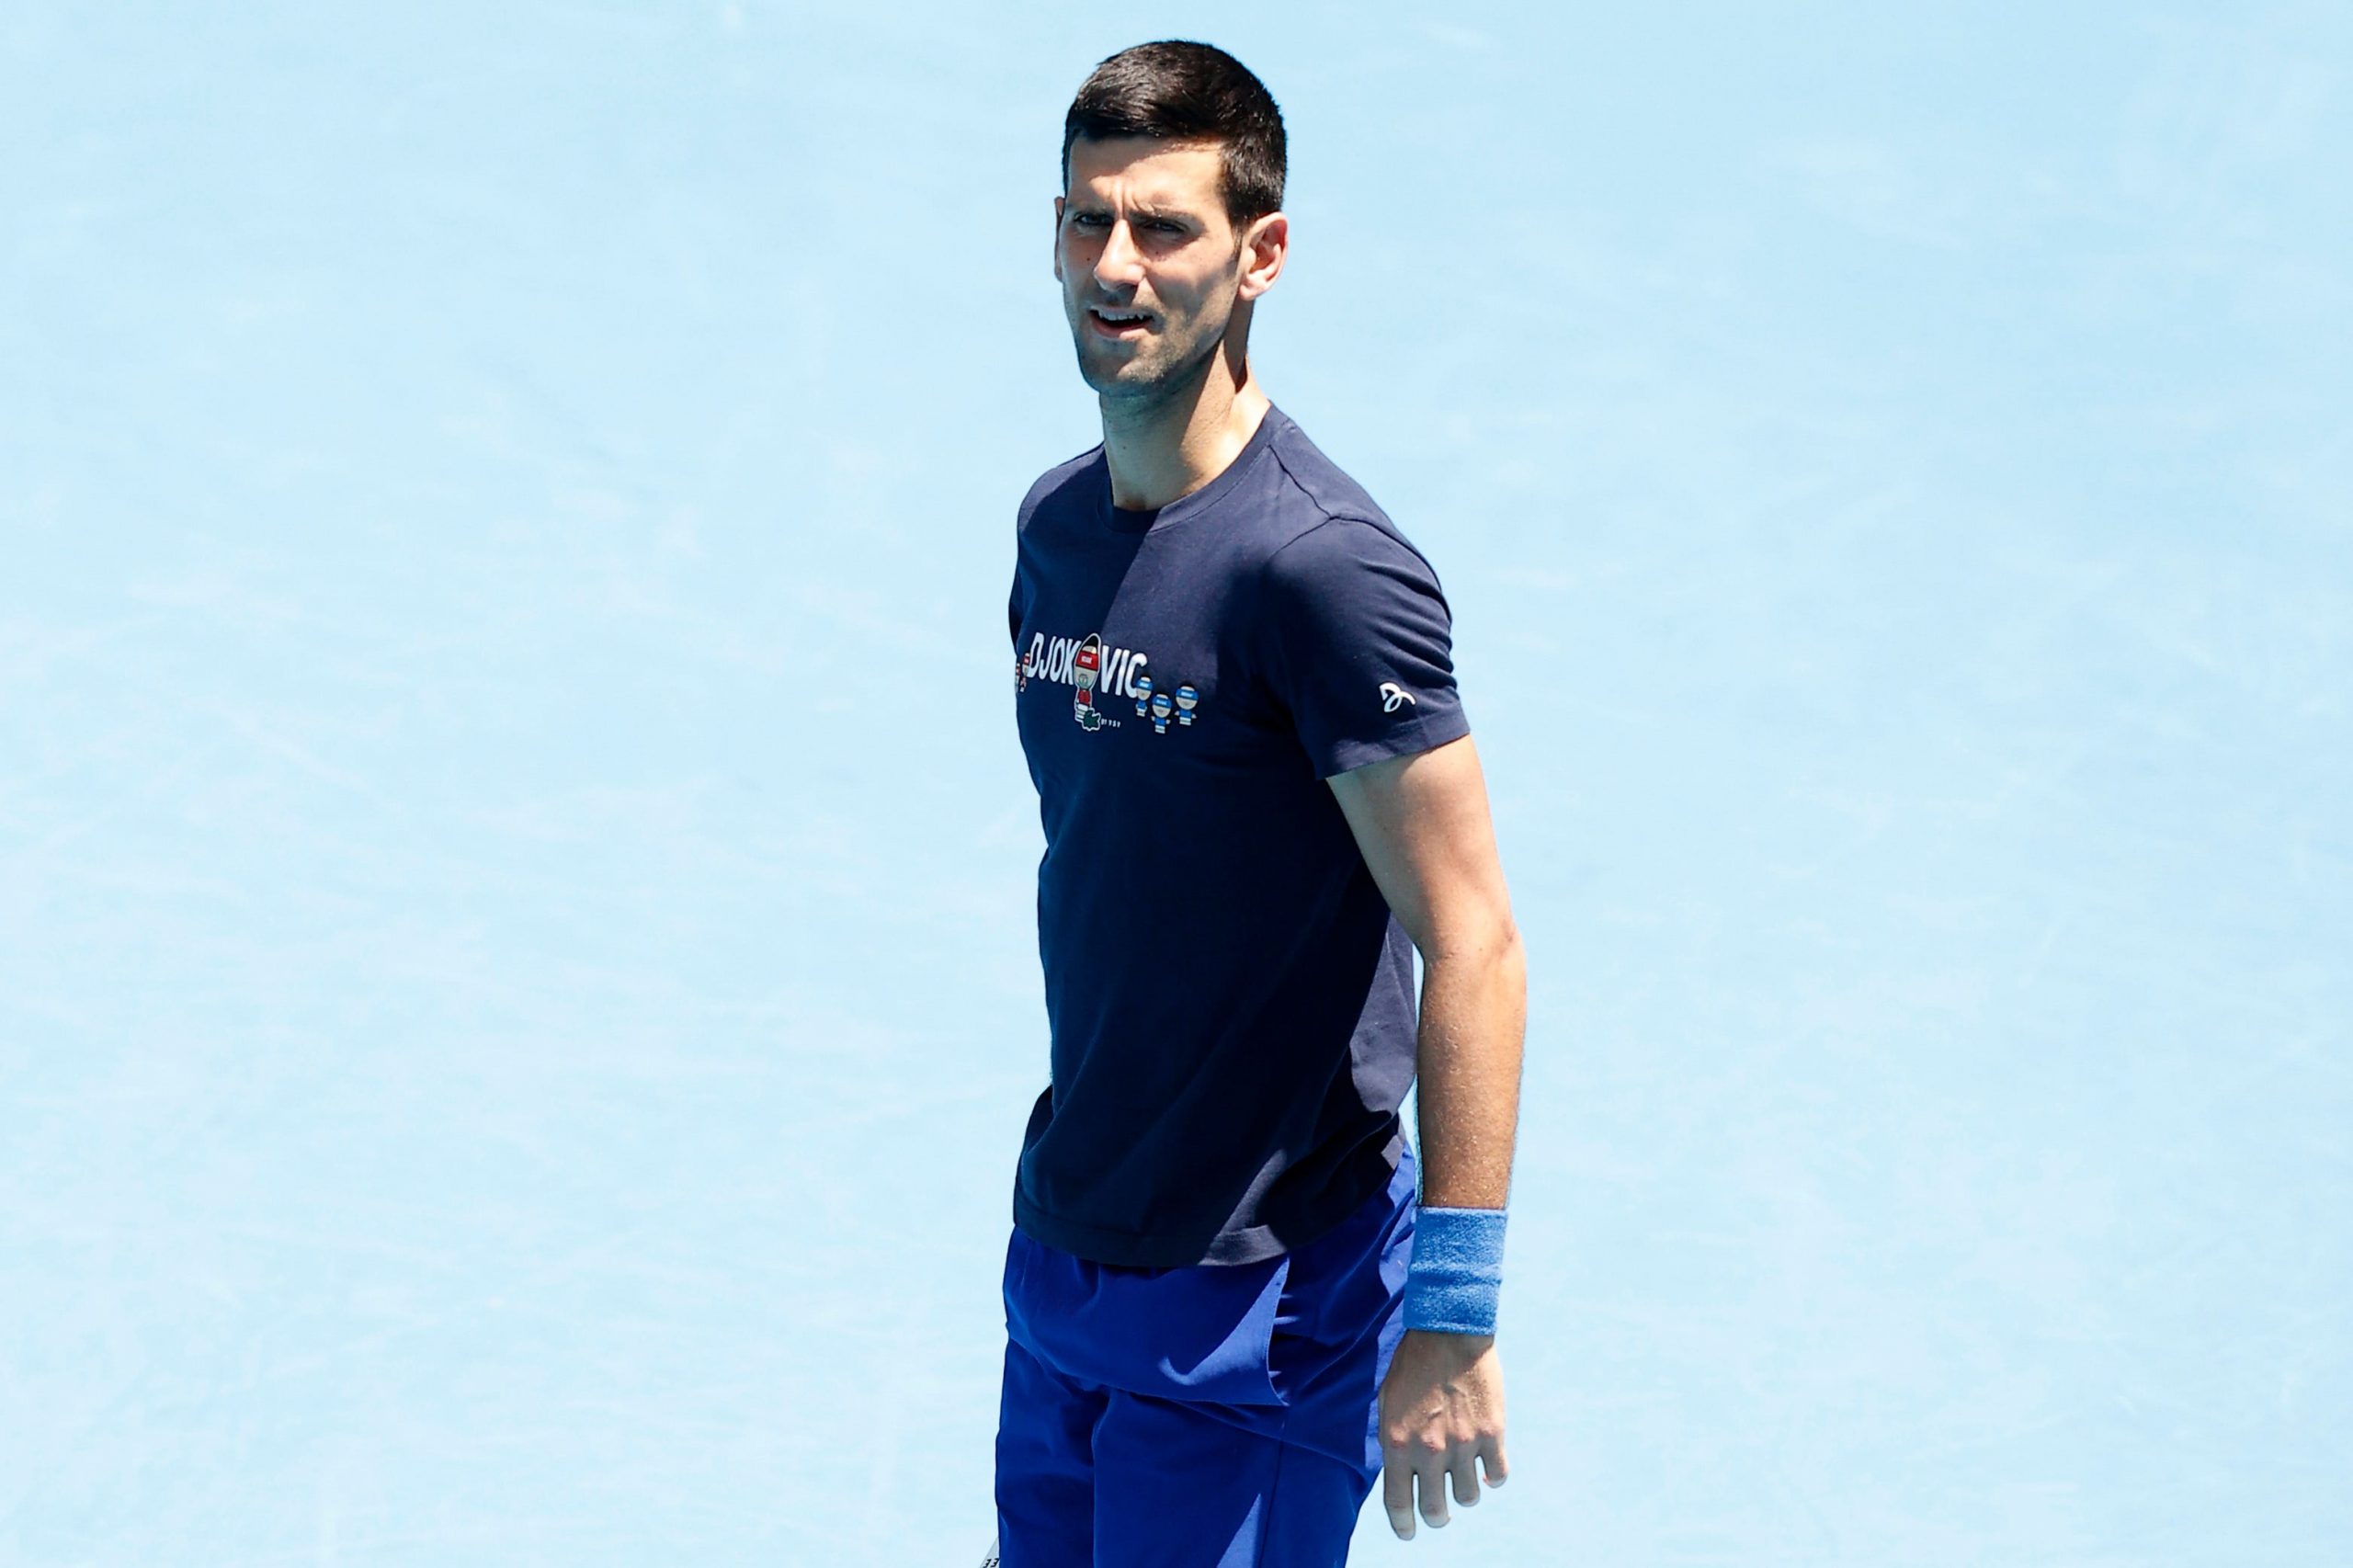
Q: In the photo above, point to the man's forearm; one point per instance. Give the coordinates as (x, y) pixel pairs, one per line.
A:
(1474, 1013)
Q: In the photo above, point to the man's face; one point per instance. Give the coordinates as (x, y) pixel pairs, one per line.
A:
(1143, 235)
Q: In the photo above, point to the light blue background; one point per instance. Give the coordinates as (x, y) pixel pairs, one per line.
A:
(518, 991)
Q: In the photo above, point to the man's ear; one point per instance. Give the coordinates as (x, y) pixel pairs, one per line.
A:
(1265, 243)
(1058, 239)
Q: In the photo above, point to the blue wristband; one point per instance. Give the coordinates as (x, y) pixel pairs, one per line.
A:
(1457, 1270)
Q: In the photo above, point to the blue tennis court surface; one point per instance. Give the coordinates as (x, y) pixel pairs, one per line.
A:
(517, 981)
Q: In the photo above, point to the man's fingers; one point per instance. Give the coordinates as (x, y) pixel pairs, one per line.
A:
(1465, 1471)
(1491, 1455)
(1431, 1476)
(1416, 1481)
(1397, 1493)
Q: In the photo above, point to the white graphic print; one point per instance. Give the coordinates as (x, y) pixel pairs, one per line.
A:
(1056, 658)
(1393, 697)
(1102, 673)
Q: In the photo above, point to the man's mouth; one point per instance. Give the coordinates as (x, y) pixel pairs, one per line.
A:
(1118, 323)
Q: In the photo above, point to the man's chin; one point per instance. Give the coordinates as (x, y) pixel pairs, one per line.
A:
(1121, 378)
(1138, 378)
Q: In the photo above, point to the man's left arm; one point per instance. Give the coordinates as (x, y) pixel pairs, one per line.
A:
(1422, 824)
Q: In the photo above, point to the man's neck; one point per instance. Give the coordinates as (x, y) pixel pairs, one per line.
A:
(1162, 451)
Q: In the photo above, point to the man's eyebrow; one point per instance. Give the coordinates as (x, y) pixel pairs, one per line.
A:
(1141, 209)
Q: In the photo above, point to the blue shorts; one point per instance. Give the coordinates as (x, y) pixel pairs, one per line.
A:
(1213, 1416)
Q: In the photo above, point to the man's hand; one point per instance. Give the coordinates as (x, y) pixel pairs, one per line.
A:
(1441, 1409)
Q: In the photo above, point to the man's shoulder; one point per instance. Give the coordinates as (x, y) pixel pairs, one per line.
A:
(1331, 525)
(1063, 480)
(1320, 489)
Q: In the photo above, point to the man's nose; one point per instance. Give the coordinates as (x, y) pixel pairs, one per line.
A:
(1120, 262)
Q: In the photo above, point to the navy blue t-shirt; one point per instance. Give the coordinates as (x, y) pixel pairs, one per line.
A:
(1229, 1000)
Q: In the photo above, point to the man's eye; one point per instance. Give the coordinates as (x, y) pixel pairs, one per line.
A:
(1098, 220)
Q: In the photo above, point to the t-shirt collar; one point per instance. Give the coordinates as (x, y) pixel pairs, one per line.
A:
(1121, 520)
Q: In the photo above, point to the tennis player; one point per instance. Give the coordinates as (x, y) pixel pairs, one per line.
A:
(1229, 1310)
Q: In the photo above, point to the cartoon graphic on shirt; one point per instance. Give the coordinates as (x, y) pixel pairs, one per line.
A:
(1101, 676)
(1020, 671)
(1085, 664)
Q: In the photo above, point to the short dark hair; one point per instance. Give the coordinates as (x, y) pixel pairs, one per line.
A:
(1179, 91)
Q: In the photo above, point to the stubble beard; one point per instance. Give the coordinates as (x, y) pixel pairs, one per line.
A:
(1136, 396)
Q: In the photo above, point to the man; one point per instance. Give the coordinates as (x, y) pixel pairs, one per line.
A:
(1228, 1313)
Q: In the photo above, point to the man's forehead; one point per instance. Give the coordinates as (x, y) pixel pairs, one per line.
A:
(1147, 171)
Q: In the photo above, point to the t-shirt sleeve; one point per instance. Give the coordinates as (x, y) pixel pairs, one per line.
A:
(1359, 646)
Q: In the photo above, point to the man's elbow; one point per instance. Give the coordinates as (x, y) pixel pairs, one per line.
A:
(1488, 941)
